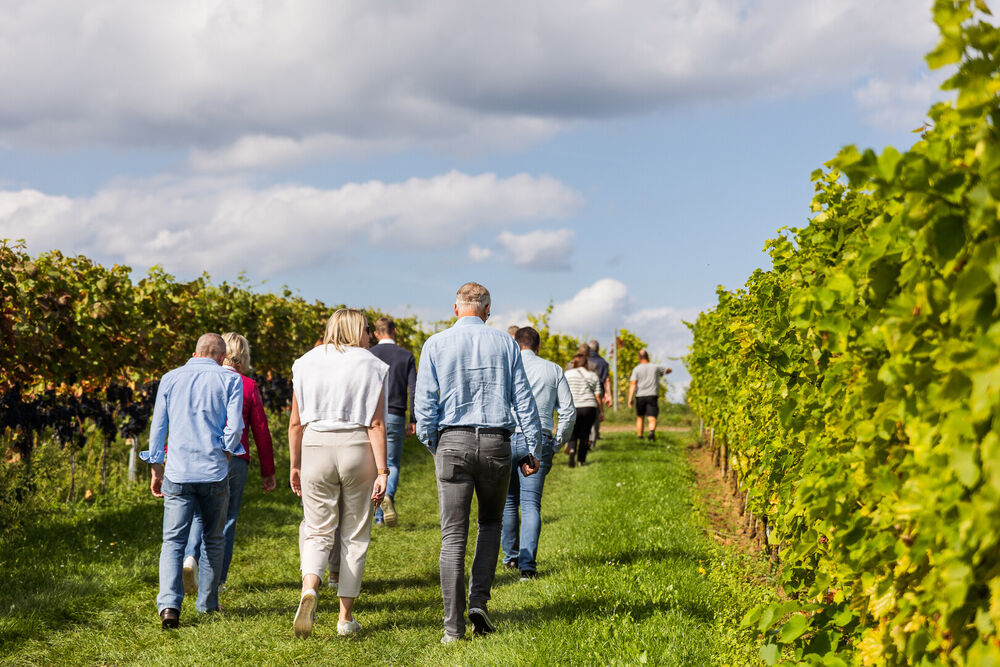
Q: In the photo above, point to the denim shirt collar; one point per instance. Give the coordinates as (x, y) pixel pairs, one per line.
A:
(469, 320)
(201, 361)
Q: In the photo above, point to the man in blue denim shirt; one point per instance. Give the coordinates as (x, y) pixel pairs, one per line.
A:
(202, 405)
(548, 384)
(471, 393)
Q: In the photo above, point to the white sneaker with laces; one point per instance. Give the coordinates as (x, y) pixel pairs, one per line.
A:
(189, 575)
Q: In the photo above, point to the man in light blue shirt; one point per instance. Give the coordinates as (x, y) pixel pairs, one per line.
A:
(201, 404)
(471, 393)
(548, 384)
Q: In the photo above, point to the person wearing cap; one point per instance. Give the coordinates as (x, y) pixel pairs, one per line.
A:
(471, 392)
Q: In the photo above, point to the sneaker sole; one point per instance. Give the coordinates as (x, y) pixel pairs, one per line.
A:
(481, 624)
(303, 623)
(190, 585)
(389, 515)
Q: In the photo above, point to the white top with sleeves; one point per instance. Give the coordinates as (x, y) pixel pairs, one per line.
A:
(583, 384)
(338, 391)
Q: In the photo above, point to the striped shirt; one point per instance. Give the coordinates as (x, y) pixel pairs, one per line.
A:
(583, 384)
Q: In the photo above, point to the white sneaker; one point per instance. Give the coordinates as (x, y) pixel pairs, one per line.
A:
(306, 614)
(333, 581)
(189, 575)
(345, 628)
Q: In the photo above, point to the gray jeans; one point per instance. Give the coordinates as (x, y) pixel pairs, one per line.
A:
(466, 463)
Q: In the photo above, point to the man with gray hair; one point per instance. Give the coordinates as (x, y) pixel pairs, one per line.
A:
(472, 392)
(202, 405)
(599, 365)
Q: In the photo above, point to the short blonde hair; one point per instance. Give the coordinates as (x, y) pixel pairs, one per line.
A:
(237, 351)
(347, 326)
(472, 296)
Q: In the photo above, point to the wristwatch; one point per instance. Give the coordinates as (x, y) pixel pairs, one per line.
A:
(383, 471)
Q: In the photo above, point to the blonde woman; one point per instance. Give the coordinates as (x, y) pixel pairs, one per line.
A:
(237, 360)
(336, 441)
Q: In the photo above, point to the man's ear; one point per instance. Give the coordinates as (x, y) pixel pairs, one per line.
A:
(486, 313)
(455, 308)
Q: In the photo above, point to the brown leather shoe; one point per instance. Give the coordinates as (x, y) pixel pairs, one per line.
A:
(170, 618)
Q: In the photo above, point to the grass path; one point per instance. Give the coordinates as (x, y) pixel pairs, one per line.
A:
(627, 576)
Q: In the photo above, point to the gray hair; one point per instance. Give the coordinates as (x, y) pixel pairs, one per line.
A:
(594, 347)
(210, 345)
(472, 296)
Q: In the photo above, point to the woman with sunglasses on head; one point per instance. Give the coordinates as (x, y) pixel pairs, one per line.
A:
(336, 440)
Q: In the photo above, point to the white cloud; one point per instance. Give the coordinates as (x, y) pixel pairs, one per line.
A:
(668, 339)
(226, 225)
(257, 84)
(594, 310)
(479, 254)
(540, 249)
(506, 318)
(901, 103)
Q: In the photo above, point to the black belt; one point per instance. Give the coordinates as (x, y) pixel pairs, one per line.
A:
(478, 430)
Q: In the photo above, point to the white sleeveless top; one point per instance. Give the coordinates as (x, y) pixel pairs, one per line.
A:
(338, 391)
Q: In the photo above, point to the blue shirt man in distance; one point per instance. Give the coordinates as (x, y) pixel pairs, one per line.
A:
(471, 393)
(551, 390)
(201, 403)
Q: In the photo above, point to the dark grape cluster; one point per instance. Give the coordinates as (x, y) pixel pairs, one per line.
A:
(275, 391)
(67, 415)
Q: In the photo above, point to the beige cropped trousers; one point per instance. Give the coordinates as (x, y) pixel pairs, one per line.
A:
(338, 473)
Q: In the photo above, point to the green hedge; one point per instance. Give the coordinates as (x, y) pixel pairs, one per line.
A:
(856, 385)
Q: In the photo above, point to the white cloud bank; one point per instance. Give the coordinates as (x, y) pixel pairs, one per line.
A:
(256, 84)
(901, 103)
(225, 225)
(541, 249)
(597, 310)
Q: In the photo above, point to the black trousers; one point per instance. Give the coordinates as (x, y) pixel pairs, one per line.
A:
(579, 441)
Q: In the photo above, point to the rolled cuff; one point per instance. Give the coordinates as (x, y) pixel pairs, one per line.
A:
(149, 457)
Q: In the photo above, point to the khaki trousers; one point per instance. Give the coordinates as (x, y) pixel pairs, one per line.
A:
(338, 473)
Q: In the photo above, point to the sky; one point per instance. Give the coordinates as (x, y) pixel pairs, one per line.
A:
(618, 161)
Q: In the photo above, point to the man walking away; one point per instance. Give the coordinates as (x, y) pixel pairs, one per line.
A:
(644, 387)
(599, 365)
(402, 380)
(551, 392)
(201, 403)
(470, 387)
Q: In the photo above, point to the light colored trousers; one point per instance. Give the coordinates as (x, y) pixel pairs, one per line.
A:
(338, 473)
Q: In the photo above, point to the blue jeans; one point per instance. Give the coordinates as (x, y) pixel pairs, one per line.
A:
(238, 470)
(180, 501)
(395, 434)
(520, 537)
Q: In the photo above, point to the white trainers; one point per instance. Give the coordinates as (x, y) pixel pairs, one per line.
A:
(306, 614)
(333, 581)
(189, 575)
(345, 628)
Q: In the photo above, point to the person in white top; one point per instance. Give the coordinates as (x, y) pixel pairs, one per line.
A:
(336, 442)
(585, 387)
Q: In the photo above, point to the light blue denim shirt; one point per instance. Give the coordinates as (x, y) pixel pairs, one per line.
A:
(472, 375)
(551, 391)
(202, 405)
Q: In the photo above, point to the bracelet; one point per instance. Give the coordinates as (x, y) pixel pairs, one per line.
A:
(383, 471)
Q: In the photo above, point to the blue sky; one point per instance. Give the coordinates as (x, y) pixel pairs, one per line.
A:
(618, 161)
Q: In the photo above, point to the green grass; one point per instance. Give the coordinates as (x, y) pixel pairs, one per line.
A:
(627, 576)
